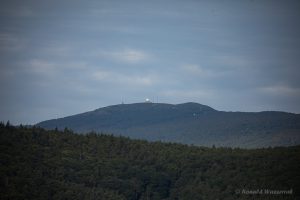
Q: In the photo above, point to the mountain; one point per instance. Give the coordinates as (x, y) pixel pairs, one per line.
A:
(188, 123)
(40, 164)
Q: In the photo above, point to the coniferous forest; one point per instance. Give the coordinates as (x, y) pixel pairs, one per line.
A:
(40, 164)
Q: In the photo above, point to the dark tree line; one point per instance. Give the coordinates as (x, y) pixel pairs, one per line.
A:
(40, 164)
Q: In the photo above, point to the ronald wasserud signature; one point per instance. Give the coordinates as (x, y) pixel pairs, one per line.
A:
(263, 192)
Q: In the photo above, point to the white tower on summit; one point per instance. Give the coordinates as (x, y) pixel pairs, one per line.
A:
(148, 100)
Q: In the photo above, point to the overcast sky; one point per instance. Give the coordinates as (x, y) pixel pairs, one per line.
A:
(63, 57)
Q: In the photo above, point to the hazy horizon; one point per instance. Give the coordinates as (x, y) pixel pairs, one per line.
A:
(60, 58)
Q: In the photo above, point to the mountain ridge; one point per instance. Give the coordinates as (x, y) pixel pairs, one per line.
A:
(188, 123)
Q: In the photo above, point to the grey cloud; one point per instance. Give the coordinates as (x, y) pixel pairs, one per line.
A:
(65, 57)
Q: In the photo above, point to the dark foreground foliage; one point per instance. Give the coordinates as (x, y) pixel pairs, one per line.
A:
(39, 164)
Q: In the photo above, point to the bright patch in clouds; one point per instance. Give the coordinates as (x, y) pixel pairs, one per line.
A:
(125, 80)
(127, 55)
(193, 69)
(41, 66)
(196, 70)
(280, 90)
(189, 94)
(45, 67)
(132, 56)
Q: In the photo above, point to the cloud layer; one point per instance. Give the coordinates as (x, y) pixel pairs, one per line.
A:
(62, 58)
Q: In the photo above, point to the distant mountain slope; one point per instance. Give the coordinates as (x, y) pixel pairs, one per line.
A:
(189, 123)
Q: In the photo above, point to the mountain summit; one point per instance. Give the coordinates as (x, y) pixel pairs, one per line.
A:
(188, 123)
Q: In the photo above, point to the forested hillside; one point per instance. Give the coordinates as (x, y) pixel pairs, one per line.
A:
(188, 123)
(40, 164)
